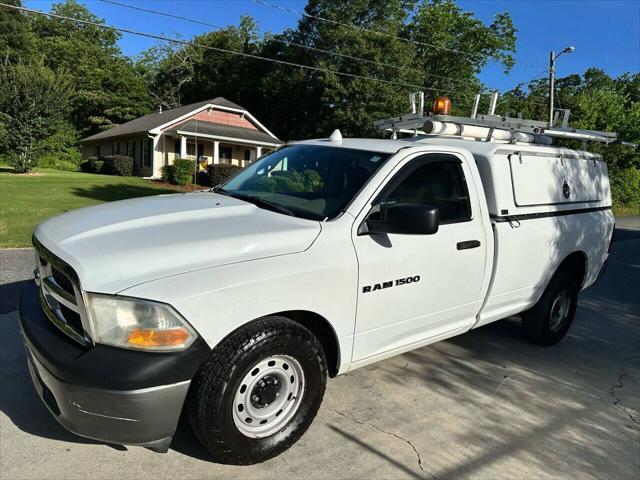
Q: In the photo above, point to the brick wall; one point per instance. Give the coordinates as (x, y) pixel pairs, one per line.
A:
(218, 116)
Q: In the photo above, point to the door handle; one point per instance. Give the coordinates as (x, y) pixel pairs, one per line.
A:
(468, 244)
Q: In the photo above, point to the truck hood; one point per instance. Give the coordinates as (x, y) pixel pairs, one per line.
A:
(120, 244)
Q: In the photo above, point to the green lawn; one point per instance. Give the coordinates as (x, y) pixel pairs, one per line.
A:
(25, 200)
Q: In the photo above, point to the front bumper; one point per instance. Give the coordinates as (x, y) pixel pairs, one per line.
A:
(104, 393)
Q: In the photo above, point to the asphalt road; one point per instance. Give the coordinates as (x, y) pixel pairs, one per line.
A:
(483, 405)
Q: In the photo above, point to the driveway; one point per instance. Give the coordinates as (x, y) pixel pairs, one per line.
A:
(483, 405)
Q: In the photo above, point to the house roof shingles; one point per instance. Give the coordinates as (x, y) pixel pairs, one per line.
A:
(153, 120)
(220, 130)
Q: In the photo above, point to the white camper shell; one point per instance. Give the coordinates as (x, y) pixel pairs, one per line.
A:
(525, 179)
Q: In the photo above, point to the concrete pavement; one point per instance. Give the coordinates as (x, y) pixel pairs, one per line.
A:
(483, 405)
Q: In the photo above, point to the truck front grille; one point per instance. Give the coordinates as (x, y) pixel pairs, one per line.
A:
(60, 294)
(62, 280)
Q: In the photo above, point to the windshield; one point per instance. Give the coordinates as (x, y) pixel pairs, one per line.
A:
(308, 181)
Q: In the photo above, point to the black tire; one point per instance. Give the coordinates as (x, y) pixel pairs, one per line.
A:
(542, 324)
(210, 401)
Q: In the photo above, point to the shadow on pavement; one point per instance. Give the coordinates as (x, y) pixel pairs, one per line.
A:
(624, 234)
(511, 398)
(352, 438)
(9, 295)
(18, 398)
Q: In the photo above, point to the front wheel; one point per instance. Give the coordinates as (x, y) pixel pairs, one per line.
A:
(258, 392)
(549, 320)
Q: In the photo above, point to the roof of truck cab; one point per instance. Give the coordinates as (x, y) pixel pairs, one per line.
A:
(476, 147)
(370, 144)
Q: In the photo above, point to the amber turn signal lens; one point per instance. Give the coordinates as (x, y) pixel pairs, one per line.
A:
(442, 106)
(158, 338)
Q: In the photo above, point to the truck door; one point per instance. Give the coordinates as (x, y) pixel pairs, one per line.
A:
(417, 288)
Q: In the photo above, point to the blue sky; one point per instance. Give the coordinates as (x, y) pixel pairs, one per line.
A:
(606, 33)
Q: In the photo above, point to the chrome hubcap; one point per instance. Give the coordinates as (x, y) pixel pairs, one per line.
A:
(559, 310)
(268, 396)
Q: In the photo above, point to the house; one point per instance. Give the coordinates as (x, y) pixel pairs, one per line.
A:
(217, 130)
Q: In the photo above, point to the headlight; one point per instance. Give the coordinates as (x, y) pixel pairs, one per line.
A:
(136, 323)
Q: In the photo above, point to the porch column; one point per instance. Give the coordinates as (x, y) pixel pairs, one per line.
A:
(156, 157)
(258, 152)
(183, 146)
(216, 152)
(165, 154)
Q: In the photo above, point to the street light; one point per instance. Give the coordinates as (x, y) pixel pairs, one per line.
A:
(552, 63)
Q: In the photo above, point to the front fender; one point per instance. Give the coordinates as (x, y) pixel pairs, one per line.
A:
(216, 301)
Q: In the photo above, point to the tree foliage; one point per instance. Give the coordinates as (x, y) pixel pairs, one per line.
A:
(395, 39)
(47, 56)
(109, 89)
(430, 45)
(33, 101)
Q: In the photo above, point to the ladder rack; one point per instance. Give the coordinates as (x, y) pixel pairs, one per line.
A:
(530, 130)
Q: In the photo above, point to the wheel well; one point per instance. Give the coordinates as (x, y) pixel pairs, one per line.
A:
(575, 265)
(322, 329)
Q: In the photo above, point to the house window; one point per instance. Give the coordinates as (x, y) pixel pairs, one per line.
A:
(96, 151)
(226, 153)
(191, 149)
(146, 152)
(138, 158)
(247, 155)
(176, 148)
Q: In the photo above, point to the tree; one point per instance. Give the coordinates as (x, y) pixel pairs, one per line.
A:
(167, 69)
(109, 89)
(225, 74)
(452, 47)
(17, 41)
(33, 100)
(312, 102)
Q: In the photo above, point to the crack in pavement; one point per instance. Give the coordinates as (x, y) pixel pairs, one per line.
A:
(619, 386)
(408, 442)
(618, 403)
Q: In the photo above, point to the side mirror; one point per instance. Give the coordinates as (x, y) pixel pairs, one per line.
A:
(407, 219)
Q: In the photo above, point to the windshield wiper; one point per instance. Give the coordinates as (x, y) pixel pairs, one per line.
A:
(260, 202)
(219, 190)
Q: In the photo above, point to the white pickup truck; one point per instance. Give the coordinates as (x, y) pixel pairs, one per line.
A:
(319, 258)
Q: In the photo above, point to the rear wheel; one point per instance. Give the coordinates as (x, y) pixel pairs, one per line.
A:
(258, 392)
(550, 319)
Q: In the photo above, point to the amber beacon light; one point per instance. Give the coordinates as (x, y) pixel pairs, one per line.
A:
(441, 106)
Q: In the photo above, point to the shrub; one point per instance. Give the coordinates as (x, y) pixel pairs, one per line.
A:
(180, 173)
(168, 173)
(183, 171)
(92, 165)
(220, 172)
(53, 161)
(117, 165)
(60, 150)
(625, 186)
(22, 163)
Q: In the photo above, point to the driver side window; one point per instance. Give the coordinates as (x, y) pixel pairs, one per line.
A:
(439, 183)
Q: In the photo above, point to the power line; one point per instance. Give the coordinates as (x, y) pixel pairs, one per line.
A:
(290, 43)
(224, 50)
(376, 32)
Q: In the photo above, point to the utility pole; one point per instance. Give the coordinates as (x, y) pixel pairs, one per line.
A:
(552, 80)
(552, 72)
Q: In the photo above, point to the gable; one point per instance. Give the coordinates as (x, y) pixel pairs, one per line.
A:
(217, 116)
